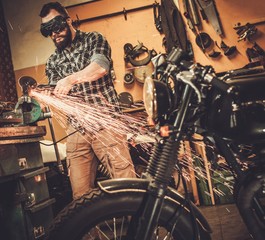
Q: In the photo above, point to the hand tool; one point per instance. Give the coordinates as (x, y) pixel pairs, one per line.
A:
(211, 13)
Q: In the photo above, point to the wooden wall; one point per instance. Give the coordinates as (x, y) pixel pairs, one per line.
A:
(232, 12)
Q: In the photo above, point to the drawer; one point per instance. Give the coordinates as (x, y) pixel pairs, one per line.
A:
(8, 160)
(38, 219)
(19, 157)
(16, 223)
(35, 186)
(29, 155)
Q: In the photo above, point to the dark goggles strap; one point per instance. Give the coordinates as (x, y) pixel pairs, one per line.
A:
(57, 24)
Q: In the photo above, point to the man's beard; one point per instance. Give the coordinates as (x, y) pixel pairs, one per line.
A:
(66, 41)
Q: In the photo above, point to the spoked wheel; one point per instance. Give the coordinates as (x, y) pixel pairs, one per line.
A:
(116, 228)
(99, 216)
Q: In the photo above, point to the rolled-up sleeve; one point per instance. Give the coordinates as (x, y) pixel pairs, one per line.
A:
(100, 50)
(101, 60)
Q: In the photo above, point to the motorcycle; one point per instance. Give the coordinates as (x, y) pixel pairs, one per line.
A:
(182, 98)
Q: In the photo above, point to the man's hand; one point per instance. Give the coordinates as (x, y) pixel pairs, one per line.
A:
(89, 74)
(63, 86)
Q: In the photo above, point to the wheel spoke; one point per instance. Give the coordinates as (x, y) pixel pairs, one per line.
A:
(122, 224)
(99, 230)
(114, 226)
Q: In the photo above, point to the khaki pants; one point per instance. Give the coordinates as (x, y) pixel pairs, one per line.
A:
(84, 153)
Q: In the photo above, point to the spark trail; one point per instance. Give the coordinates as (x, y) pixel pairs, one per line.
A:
(91, 117)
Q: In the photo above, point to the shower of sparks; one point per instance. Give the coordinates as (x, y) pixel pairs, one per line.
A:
(10, 25)
(19, 28)
(92, 117)
(190, 159)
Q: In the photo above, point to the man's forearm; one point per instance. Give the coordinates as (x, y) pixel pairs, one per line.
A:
(89, 74)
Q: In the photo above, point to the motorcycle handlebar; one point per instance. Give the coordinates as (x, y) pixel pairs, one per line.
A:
(219, 84)
(209, 78)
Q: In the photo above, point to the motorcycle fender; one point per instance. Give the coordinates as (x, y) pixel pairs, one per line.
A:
(123, 185)
(141, 185)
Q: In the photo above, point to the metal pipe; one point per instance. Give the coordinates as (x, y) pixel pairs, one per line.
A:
(124, 12)
(56, 150)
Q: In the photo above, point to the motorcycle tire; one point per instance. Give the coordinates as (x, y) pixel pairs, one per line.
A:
(250, 200)
(101, 215)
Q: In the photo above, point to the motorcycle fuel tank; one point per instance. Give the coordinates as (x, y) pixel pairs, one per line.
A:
(242, 120)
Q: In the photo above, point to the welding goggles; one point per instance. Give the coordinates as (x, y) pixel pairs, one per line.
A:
(55, 25)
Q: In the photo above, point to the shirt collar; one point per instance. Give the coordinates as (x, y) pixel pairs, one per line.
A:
(76, 38)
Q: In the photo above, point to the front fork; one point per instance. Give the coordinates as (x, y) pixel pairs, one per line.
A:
(159, 171)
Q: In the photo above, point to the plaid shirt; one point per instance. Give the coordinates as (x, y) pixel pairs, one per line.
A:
(83, 49)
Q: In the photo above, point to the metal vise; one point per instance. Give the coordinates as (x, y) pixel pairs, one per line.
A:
(27, 109)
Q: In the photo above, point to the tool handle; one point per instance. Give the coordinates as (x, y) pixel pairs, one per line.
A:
(194, 12)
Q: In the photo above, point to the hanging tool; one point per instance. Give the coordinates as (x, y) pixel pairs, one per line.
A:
(214, 54)
(203, 40)
(191, 14)
(210, 12)
(228, 51)
(255, 53)
(124, 12)
(247, 29)
(192, 8)
(256, 21)
(188, 17)
(246, 32)
(157, 17)
(203, 15)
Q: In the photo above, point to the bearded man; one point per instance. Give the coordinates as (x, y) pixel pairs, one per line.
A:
(80, 65)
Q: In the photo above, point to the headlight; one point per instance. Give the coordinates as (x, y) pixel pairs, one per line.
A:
(149, 96)
(157, 98)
